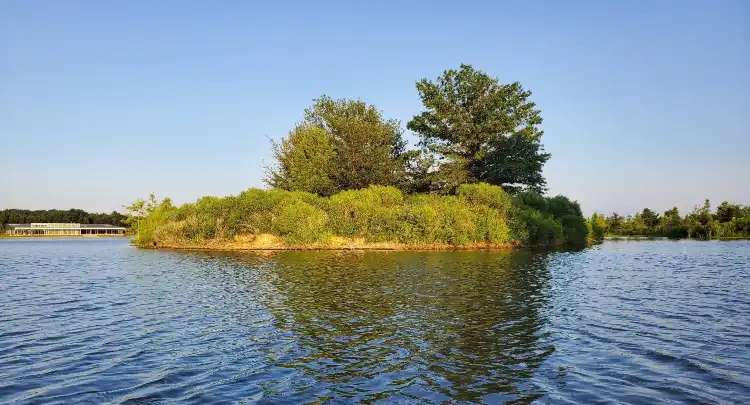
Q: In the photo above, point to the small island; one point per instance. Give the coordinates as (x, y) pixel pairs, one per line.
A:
(343, 179)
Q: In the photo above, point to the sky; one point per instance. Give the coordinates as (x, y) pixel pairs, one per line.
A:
(645, 103)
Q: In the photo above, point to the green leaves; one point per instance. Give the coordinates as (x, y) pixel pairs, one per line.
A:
(341, 145)
(305, 161)
(488, 129)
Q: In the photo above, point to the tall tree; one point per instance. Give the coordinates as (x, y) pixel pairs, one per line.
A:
(347, 143)
(483, 129)
(651, 219)
(725, 212)
(672, 225)
(614, 223)
(304, 161)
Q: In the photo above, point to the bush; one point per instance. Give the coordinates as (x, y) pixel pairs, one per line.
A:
(561, 206)
(542, 230)
(491, 226)
(458, 226)
(370, 213)
(530, 199)
(597, 227)
(479, 213)
(519, 229)
(302, 223)
(420, 224)
(575, 230)
(485, 194)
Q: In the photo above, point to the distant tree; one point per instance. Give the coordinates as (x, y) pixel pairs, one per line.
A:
(598, 227)
(725, 212)
(651, 220)
(341, 145)
(19, 216)
(700, 222)
(614, 223)
(672, 225)
(481, 130)
(638, 225)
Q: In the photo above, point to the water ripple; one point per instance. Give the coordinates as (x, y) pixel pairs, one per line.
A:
(98, 322)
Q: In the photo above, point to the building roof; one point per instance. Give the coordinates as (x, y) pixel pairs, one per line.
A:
(82, 226)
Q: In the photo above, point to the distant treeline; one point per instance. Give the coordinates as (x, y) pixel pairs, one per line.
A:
(728, 221)
(18, 216)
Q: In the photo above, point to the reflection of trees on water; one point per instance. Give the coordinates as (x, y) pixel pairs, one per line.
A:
(443, 325)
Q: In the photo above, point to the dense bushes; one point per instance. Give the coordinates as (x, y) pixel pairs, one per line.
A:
(479, 214)
(551, 221)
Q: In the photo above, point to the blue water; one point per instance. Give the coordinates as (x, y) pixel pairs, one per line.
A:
(99, 322)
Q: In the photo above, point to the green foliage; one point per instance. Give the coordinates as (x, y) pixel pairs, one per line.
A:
(597, 227)
(19, 216)
(485, 194)
(729, 221)
(479, 214)
(614, 223)
(481, 130)
(542, 230)
(672, 225)
(421, 223)
(561, 206)
(491, 225)
(370, 213)
(341, 145)
(518, 226)
(549, 220)
(304, 161)
(145, 216)
(726, 212)
(302, 223)
(575, 230)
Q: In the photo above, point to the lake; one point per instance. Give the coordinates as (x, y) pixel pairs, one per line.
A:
(631, 322)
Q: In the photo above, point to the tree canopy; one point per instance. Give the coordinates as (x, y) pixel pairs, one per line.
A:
(19, 216)
(341, 145)
(481, 130)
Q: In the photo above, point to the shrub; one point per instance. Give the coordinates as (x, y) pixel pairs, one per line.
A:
(458, 226)
(490, 225)
(575, 230)
(479, 213)
(542, 230)
(561, 206)
(518, 226)
(420, 224)
(370, 213)
(302, 223)
(597, 227)
(533, 200)
(485, 194)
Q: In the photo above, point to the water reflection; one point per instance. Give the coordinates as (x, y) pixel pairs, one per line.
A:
(441, 325)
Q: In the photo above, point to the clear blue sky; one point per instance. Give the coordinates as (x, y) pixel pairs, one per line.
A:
(644, 103)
